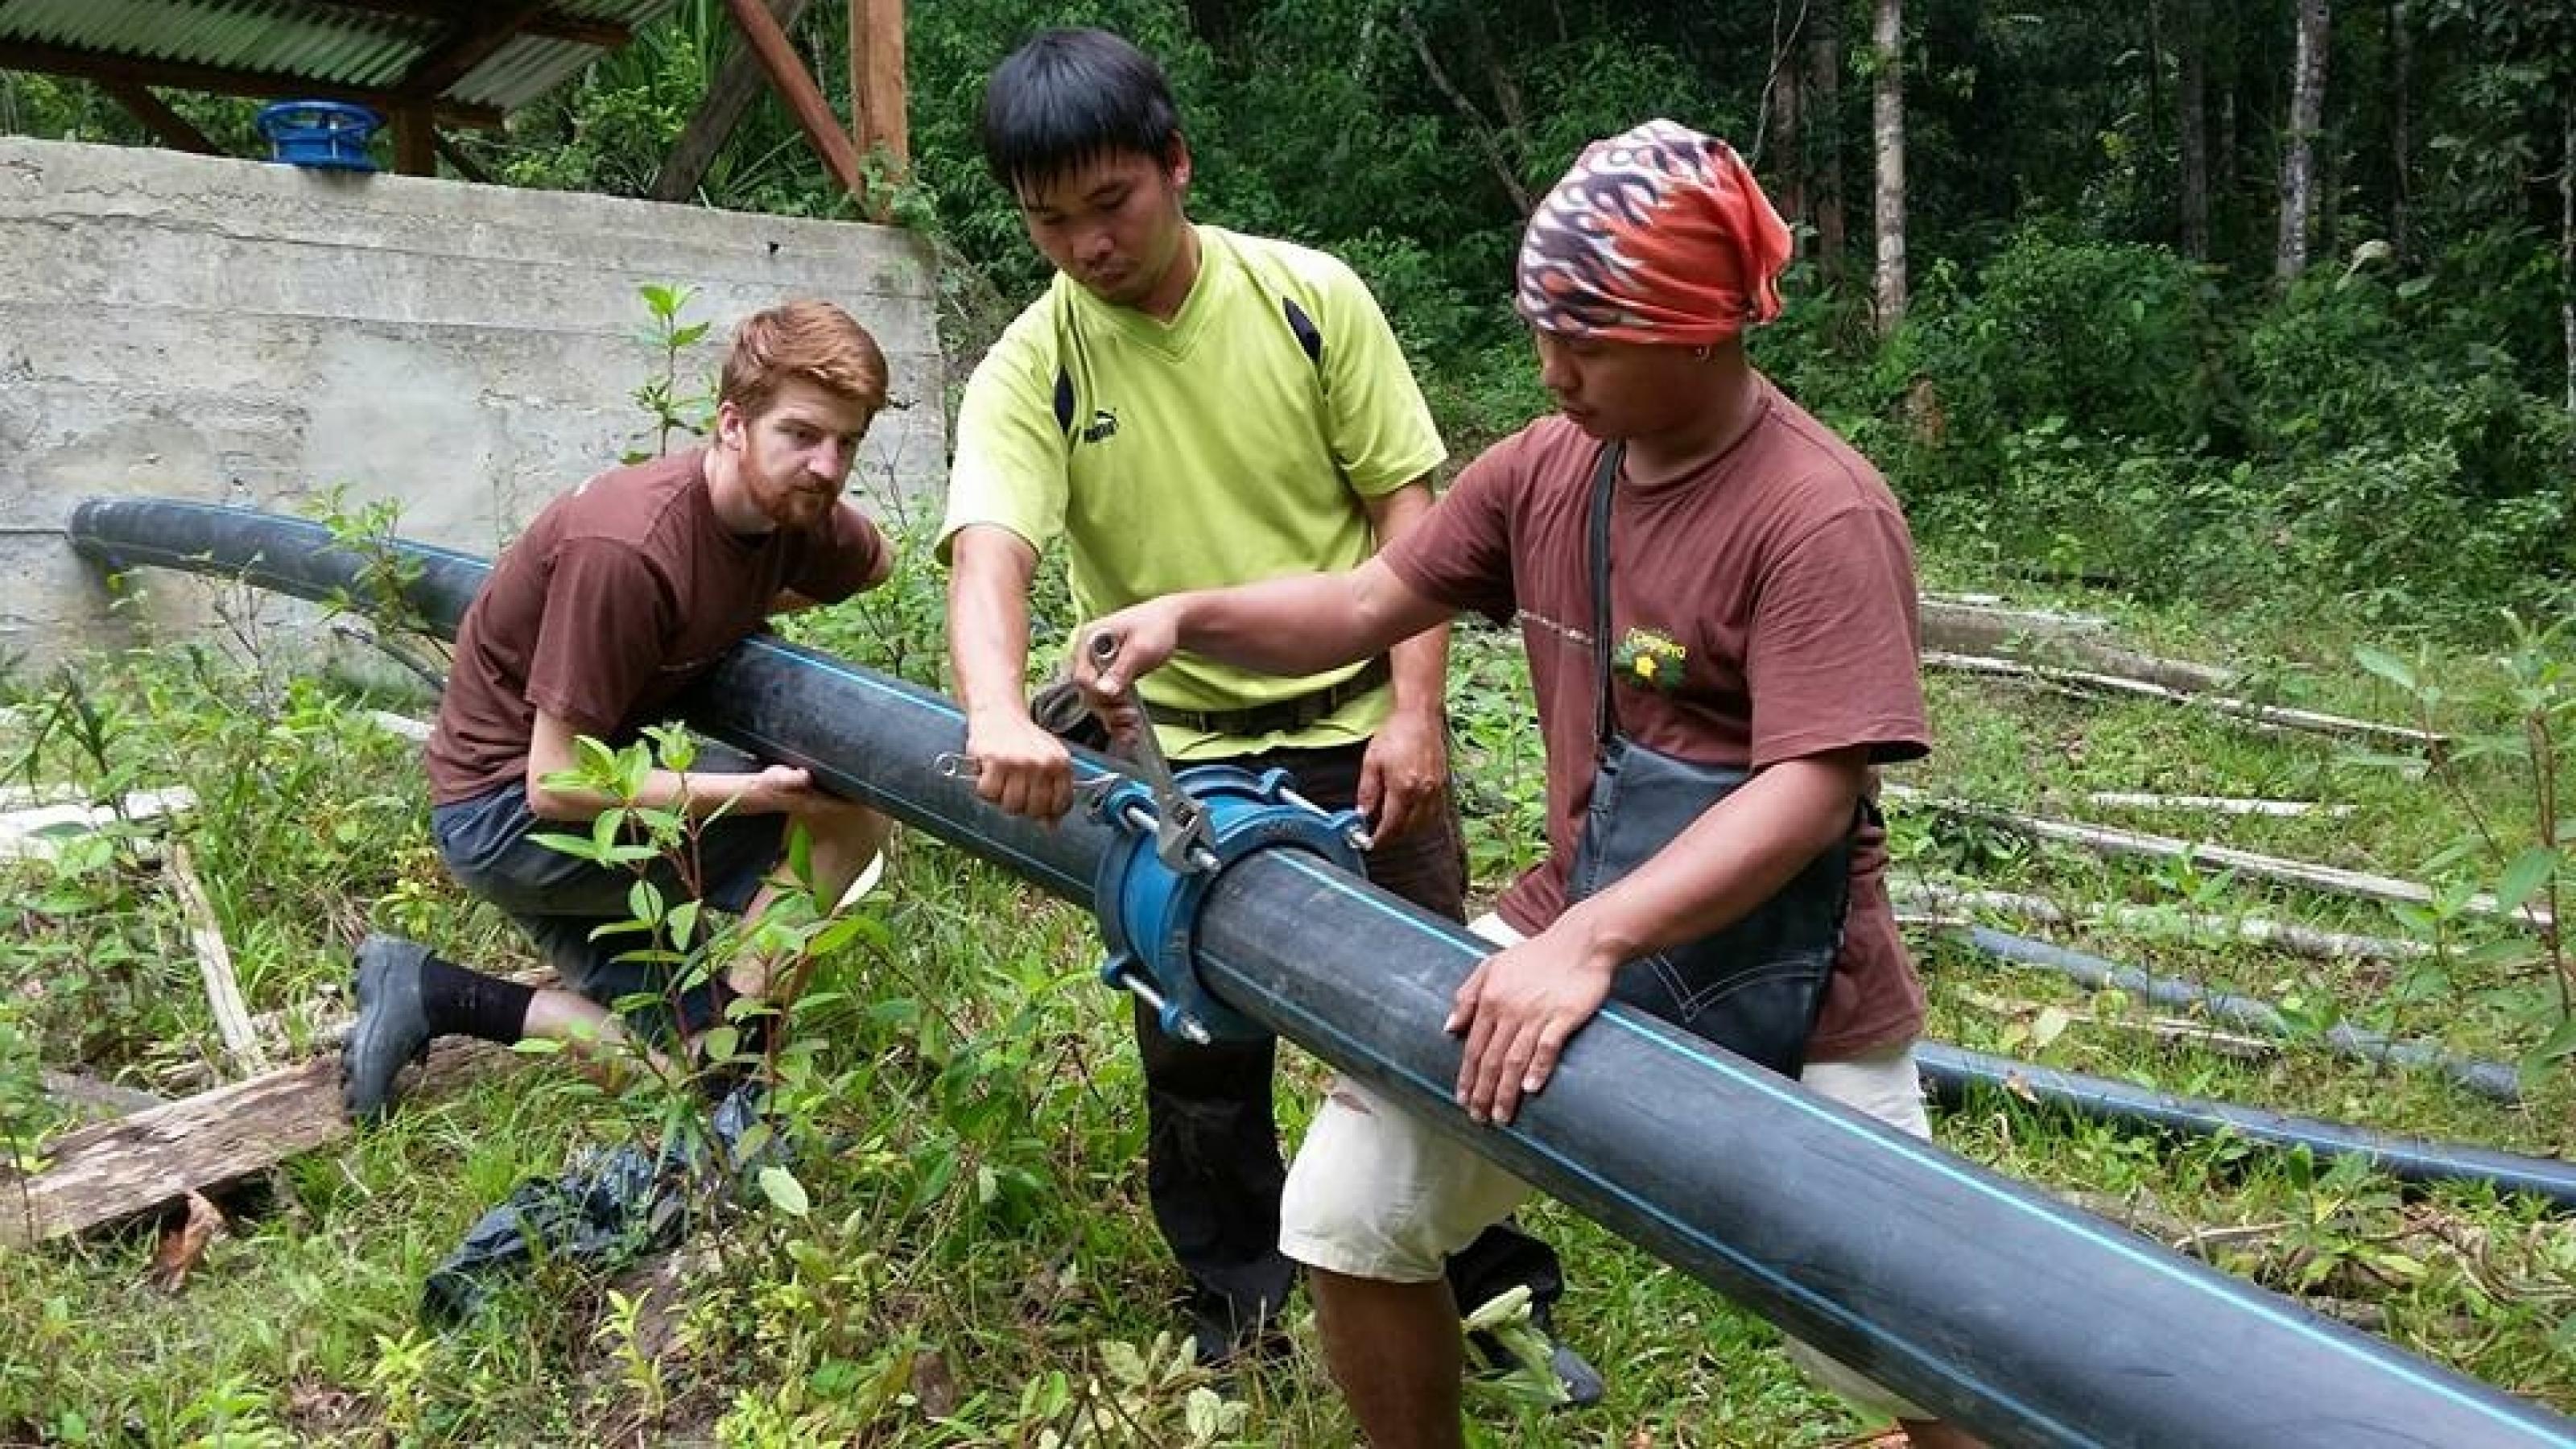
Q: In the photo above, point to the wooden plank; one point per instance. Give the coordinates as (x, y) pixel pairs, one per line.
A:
(2277, 716)
(112, 1171)
(214, 960)
(728, 98)
(2102, 840)
(795, 85)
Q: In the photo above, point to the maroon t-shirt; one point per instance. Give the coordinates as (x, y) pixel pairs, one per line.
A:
(620, 594)
(1763, 609)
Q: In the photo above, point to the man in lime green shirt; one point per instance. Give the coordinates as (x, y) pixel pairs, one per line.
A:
(1193, 408)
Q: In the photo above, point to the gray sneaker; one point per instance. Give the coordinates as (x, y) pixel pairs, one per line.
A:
(392, 1028)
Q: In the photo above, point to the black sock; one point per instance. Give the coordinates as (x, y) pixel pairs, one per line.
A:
(458, 1001)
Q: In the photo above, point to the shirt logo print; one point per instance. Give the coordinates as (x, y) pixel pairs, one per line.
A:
(1102, 427)
(1652, 658)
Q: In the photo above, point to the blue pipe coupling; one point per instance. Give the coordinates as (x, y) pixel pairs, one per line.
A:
(1149, 911)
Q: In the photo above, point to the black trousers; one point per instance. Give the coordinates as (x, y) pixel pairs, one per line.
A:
(1213, 1168)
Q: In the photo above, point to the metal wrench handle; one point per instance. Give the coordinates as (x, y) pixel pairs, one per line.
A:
(1180, 831)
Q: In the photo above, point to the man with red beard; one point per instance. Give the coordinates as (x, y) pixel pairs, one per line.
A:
(1717, 598)
(617, 598)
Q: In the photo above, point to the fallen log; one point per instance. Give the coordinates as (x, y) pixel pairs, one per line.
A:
(2214, 804)
(114, 1170)
(1960, 627)
(2103, 840)
(1943, 903)
(2269, 716)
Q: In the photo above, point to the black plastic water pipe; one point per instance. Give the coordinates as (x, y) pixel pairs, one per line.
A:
(1986, 1302)
(2488, 1079)
(1956, 1073)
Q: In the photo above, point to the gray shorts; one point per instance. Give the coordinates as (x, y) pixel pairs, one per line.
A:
(561, 899)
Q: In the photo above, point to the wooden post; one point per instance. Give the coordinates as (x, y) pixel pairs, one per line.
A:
(415, 141)
(795, 85)
(876, 83)
(719, 113)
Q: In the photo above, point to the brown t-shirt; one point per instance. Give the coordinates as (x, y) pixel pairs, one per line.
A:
(1764, 610)
(619, 595)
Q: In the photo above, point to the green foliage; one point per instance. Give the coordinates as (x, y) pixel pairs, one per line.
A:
(2500, 881)
(672, 410)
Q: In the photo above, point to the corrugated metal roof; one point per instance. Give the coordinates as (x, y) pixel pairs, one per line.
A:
(347, 44)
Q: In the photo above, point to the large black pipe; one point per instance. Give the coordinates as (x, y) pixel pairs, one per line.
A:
(2493, 1080)
(1955, 1074)
(1984, 1301)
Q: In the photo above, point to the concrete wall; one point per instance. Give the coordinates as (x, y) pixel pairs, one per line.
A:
(253, 333)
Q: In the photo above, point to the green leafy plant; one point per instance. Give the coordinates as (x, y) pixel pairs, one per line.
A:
(2511, 862)
(663, 396)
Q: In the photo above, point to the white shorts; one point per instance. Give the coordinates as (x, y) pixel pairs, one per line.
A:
(1377, 1193)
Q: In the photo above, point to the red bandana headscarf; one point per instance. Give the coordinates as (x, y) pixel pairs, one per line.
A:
(1660, 235)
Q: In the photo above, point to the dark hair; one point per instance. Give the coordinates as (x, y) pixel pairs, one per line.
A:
(1069, 97)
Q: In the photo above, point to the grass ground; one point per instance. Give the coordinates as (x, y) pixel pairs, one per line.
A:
(977, 1266)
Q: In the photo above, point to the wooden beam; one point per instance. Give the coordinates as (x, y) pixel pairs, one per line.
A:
(224, 80)
(579, 29)
(175, 131)
(877, 83)
(728, 97)
(795, 85)
(466, 45)
(457, 161)
(111, 1171)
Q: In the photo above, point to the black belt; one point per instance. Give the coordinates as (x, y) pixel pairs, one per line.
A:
(1279, 716)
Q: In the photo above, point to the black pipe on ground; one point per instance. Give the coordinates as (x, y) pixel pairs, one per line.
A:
(1986, 1302)
(2493, 1080)
(1956, 1074)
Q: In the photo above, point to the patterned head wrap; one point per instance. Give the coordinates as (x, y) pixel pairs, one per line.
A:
(1659, 235)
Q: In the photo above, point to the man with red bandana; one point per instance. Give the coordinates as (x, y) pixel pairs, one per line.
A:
(1761, 609)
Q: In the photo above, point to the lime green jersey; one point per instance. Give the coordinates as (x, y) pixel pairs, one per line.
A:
(1239, 441)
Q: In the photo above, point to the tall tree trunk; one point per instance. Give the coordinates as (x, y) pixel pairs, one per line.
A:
(1781, 146)
(2191, 129)
(1887, 114)
(2567, 245)
(2401, 129)
(1825, 133)
(2299, 145)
